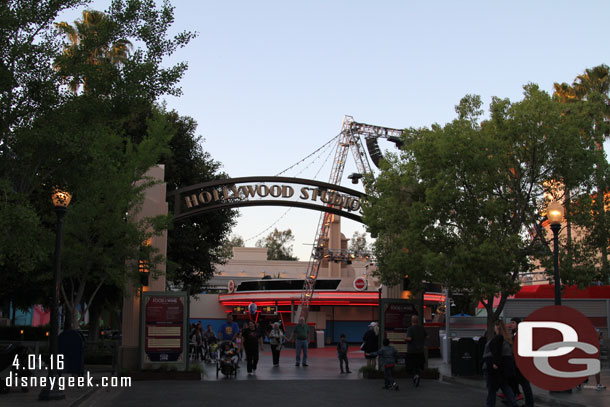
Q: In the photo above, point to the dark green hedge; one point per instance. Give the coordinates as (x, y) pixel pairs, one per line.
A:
(30, 333)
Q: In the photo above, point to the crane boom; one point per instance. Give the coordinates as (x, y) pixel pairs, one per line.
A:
(350, 138)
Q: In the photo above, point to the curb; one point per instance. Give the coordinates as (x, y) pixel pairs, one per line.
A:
(542, 399)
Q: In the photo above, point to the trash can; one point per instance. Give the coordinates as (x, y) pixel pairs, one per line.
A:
(481, 342)
(319, 339)
(71, 344)
(463, 357)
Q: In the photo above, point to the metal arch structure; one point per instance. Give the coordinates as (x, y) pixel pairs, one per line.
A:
(196, 199)
(350, 138)
(200, 198)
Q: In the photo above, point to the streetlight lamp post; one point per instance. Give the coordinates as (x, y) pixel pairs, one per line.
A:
(554, 213)
(61, 200)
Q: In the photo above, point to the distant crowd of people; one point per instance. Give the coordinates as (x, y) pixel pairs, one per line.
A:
(499, 366)
(249, 340)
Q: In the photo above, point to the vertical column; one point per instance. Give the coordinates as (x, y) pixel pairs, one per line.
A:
(154, 204)
(334, 244)
(607, 321)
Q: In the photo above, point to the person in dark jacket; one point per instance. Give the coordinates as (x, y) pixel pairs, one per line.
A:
(371, 343)
(518, 379)
(499, 366)
(252, 341)
(342, 347)
(387, 359)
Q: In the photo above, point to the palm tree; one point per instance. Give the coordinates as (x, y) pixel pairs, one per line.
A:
(593, 83)
(90, 48)
(596, 80)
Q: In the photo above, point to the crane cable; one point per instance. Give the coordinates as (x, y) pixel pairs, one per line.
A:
(321, 150)
(302, 160)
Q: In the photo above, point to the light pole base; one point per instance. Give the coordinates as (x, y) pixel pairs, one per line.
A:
(51, 394)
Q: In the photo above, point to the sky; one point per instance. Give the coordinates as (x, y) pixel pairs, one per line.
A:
(269, 82)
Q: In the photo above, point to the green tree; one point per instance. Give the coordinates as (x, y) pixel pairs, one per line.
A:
(278, 244)
(97, 143)
(28, 91)
(229, 244)
(195, 245)
(462, 204)
(588, 96)
(91, 49)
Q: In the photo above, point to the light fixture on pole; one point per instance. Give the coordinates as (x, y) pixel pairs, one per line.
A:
(554, 214)
(61, 200)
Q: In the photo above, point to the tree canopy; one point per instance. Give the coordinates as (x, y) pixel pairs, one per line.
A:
(463, 204)
(195, 246)
(77, 110)
(278, 244)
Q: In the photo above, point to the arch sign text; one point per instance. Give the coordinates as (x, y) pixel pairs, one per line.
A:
(266, 191)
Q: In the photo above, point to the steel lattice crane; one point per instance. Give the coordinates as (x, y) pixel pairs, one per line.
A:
(350, 138)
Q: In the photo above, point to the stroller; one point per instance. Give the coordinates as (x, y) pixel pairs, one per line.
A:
(226, 359)
(8, 356)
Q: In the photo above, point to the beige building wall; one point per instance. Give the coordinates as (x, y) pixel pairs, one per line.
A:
(154, 205)
(206, 306)
(251, 262)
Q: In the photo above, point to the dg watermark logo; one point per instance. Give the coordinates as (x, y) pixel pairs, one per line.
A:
(556, 348)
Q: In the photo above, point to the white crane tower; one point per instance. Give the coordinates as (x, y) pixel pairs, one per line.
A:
(353, 136)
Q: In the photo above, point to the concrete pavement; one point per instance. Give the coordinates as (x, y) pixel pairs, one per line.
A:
(320, 382)
(586, 397)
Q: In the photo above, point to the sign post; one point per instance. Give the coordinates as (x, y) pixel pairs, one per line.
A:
(164, 336)
(395, 319)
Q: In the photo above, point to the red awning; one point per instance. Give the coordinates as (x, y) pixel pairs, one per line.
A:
(548, 291)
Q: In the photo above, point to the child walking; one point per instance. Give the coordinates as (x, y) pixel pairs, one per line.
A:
(387, 358)
(342, 354)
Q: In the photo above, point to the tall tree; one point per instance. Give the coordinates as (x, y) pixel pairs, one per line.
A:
(589, 95)
(278, 244)
(462, 204)
(28, 92)
(195, 246)
(97, 143)
(91, 49)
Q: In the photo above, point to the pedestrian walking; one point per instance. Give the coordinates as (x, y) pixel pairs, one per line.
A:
(387, 359)
(342, 348)
(252, 342)
(276, 339)
(199, 342)
(518, 379)
(210, 342)
(228, 330)
(498, 365)
(416, 340)
(301, 336)
(370, 343)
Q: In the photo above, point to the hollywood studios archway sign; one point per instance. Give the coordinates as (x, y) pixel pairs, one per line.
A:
(266, 191)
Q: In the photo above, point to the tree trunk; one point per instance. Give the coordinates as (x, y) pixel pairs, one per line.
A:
(13, 314)
(67, 318)
(95, 314)
(602, 234)
(489, 307)
(568, 205)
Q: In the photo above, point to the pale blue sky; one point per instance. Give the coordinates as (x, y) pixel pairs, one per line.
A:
(270, 81)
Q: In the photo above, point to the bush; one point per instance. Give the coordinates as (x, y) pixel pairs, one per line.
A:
(30, 333)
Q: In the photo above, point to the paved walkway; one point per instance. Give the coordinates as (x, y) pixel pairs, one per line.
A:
(323, 365)
(587, 397)
(296, 385)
